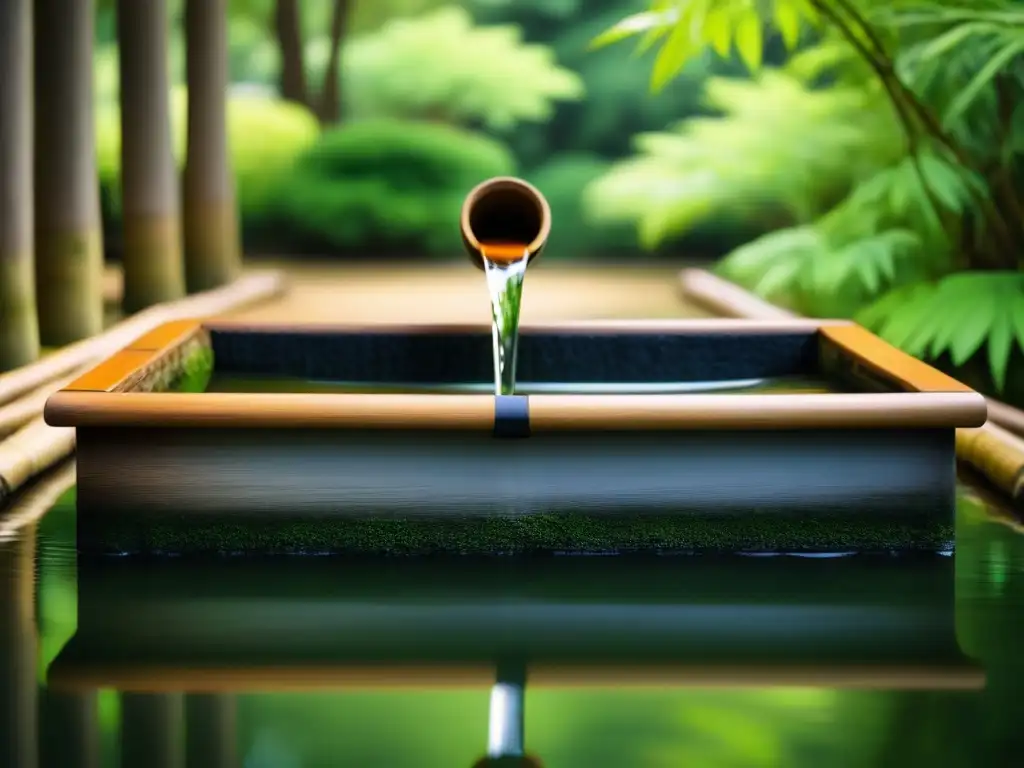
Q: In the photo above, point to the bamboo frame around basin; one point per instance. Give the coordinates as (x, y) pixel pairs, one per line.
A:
(929, 398)
(878, 455)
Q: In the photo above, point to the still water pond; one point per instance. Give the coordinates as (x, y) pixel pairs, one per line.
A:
(701, 661)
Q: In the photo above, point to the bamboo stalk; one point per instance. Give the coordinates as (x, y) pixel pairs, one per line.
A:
(31, 450)
(246, 290)
(993, 449)
(20, 412)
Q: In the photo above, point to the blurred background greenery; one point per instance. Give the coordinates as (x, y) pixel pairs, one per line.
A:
(434, 96)
(847, 158)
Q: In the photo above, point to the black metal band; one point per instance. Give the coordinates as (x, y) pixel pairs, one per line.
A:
(511, 416)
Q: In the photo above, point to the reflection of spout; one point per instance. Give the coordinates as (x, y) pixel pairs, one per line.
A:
(505, 737)
(505, 210)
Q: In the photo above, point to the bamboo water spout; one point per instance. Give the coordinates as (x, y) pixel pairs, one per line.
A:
(505, 224)
(504, 211)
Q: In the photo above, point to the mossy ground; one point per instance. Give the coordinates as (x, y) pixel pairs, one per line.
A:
(540, 534)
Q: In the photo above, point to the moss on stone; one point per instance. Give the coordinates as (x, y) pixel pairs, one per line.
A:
(539, 534)
(195, 370)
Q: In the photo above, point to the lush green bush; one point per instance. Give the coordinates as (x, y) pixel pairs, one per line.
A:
(265, 138)
(441, 66)
(385, 185)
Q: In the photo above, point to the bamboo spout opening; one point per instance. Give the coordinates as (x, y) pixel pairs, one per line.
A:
(505, 210)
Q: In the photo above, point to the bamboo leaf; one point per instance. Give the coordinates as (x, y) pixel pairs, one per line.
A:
(787, 19)
(634, 25)
(674, 54)
(718, 31)
(944, 43)
(750, 40)
(978, 83)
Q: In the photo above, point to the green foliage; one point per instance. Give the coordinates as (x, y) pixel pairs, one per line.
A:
(780, 150)
(889, 201)
(955, 316)
(616, 106)
(440, 66)
(686, 30)
(386, 184)
(265, 136)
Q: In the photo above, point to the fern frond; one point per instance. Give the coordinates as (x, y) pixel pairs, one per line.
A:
(959, 316)
(915, 193)
(798, 266)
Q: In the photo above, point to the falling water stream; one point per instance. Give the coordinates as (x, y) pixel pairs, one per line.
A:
(505, 267)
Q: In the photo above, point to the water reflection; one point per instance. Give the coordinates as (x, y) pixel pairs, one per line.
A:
(854, 661)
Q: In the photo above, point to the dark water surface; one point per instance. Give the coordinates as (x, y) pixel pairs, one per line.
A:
(782, 385)
(730, 661)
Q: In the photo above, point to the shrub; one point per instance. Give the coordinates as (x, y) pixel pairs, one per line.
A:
(265, 137)
(385, 184)
(440, 65)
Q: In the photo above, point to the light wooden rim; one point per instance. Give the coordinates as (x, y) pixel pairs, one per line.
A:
(147, 350)
(884, 359)
(167, 679)
(548, 413)
(934, 400)
(497, 184)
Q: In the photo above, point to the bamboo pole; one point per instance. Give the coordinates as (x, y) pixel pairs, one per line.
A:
(69, 241)
(31, 450)
(20, 412)
(19, 334)
(154, 268)
(209, 211)
(29, 445)
(257, 286)
(993, 450)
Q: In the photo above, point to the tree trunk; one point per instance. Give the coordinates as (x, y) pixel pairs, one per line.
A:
(212, 252)
(330, 100)
(18, 687)
(152, 725)
(69, 242)
(153, 265)
(19, 335)
(288, 28)
(212, 740)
